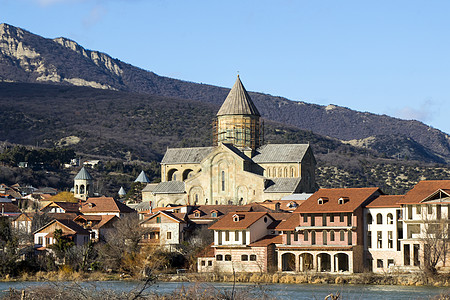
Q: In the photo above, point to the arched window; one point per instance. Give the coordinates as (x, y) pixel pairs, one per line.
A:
(292, 172)
(76, 189)
(268, 172)
(332, 235)
(313, 237)
(390, 219)
(369, 219)
(305, 235)
(342, 235)
(81, 189)
(227, 257)
(244, 257)
(324, 237)
(196, 199)
(379, 219)
(285, 172)
(274, 172)
(280, 172)
(219, 257)
(223, 180)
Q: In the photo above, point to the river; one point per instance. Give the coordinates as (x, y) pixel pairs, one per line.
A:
(279, 291)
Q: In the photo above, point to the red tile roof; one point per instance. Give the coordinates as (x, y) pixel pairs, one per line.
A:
(267, 240)
(104, 205)
(424, 189)
(290, 224)
(246, 219)
(354, 198)
(386, 201)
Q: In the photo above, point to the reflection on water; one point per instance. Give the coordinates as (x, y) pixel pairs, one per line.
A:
(279, 291)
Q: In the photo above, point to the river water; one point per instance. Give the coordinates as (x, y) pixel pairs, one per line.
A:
(278, 291)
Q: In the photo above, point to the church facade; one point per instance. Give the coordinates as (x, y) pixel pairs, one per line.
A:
(238, 169)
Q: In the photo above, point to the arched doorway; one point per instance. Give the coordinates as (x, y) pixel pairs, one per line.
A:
(288, 262)
(305, 262)
(341, 262)
(324, 262)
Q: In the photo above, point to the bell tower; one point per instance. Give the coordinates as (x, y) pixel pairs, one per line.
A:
(238, 120)
(83, 184)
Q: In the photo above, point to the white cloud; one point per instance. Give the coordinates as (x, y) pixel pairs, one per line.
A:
(94, 16)
(426, 111)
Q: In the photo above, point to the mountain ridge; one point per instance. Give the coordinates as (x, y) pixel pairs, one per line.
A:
(26, 57)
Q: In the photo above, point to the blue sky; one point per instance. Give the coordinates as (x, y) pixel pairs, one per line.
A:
(386, 57)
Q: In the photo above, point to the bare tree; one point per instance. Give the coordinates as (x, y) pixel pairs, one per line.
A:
(435, 238)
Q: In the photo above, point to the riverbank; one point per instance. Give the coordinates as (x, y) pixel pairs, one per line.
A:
(407, 279)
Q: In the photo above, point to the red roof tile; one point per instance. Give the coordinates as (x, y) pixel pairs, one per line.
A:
(353, 198)
(386, 201)
(246, 219)
(267, 240)
(424, 189)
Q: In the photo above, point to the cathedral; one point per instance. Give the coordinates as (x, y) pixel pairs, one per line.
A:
(238, 169)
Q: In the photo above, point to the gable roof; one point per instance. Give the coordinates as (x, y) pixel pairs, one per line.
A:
(267, 240)
(105, 220)
(246, 219)
(423, 189)
(238, 102)
(273, 153)
(83, 175)
(69, 207)
(385, 201)
(289, 224)
(177, 217)
(282, 185)
(186, 155)
(69, 224)
(355, 197)
(169, 187)
(104, 204)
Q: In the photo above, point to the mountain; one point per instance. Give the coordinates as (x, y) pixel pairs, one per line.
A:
(29, 58)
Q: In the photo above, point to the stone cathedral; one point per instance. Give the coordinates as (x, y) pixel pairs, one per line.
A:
(238, 169)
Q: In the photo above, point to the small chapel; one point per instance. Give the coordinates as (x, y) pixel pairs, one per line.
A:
(238, 169)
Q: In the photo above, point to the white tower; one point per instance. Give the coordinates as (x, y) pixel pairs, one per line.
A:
(83, 184)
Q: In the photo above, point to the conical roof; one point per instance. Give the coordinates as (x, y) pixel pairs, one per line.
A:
(83, 175)
(238, 102)
(142, 178)
(122, 191)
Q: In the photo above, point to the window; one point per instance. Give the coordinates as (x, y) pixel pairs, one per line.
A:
(369, 219)
(236, 236)
(390, 262)
(430, 209)
(418, 209)
(390, 240)
(305, 218)
(203, 263)
(369, 239)
(324, 237)
(196, 200)
(295, 236)
(379, 219)
(409, 207)
(320, 201)
(332, 235)
(390, 219)
(253, 257)
(331, 218)
(379, 239)
(214, 215)
(341, 217)
(350, 237)
(340, 201)
(219, 257)
(227, 257)
(169, 235)
(197, 214)
(305, 235)
(227, 236)
(342, 235)
(158, 219)
(209, 263)
(379, 263)
(244, 237)
(324, 219)
(40, 240)
(244, 257)
(313, 220)
(313, 237)
(223, 180)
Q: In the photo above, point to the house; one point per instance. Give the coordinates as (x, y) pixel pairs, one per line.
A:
(23, 222)
(426, 216)
(44, 236)
(384, 232)
(166, 229)
(61, 208)
(9, 209)
(238, 169)
(99, 225)
(326, 233)
(243, 242)
(105, 206)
